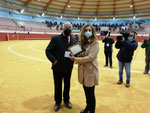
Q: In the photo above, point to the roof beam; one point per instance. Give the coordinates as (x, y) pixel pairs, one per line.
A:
(133, 7)
(65, 6)
(98, 6)
(114, 8)
(81, 6)
(27, 2)
(46, 7)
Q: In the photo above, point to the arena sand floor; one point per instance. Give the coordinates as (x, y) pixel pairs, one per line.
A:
(26, 82)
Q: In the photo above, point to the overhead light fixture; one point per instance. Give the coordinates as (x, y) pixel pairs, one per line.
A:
(68, 6)
(114, 18)
(22, 11)
(95, 19)
(38, 0)
(60, 17)
(131, 5)
(134, 17)
(78, 18)
(43, 14)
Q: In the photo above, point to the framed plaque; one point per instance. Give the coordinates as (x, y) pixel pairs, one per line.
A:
(75, 49)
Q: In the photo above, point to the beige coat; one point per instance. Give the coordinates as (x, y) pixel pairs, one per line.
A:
(88, 66)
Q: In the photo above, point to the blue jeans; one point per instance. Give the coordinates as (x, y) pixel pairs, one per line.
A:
(127, 69)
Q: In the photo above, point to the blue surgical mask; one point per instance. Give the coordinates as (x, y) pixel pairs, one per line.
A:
(130, 38)
(88, 34)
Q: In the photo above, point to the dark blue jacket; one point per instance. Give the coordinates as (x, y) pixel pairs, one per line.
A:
(126, 51)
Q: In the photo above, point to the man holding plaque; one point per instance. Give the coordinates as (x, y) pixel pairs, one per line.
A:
(58, 54)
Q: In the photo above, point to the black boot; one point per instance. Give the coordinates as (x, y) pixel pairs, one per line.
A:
(145, 72)
(127, 84)
(120, 82)
(85, 110)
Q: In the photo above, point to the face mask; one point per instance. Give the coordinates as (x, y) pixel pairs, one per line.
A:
(67, 32)
(88, 34)
(130, 38)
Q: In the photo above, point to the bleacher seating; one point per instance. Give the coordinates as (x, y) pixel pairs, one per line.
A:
(54, 27)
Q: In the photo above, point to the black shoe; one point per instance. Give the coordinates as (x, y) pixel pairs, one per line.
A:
(85, 110)
(68, 104)
(145, 72)
(105, 65)
(127, 84)
(111, 67)
(57, 107)
(119, 82)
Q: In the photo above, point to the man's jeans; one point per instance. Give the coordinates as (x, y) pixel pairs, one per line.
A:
(127, 69)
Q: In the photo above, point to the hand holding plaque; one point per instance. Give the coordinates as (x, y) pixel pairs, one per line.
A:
(75, 49)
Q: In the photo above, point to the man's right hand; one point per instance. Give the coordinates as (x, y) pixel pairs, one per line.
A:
(55, 62)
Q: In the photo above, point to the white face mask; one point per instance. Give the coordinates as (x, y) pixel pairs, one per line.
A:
(88, 34)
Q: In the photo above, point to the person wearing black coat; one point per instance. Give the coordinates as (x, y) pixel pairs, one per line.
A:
(58, 54)
(108, 42)
(146, 45)
(127, 46)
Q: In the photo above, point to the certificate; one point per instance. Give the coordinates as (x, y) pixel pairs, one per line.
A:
(67, 54)
(75, 49)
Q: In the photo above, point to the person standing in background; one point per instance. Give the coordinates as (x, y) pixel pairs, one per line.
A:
(127, 46)
(77, 37)
(88, 74)
(146, 45)
(108, 43)
(58, 54)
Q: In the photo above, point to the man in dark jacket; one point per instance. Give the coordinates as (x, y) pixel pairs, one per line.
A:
(57, 52)
(108, 49)
(146, 45)
(127, 47)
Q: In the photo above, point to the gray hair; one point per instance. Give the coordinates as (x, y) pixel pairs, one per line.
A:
(67, 25)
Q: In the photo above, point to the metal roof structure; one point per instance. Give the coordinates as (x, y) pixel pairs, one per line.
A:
(86, 9)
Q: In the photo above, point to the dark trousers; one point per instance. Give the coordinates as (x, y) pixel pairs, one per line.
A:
(58, 78)
(108, 55)
(90, 98)
(147, 61)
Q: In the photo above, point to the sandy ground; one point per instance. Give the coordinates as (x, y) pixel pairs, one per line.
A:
(26, 82)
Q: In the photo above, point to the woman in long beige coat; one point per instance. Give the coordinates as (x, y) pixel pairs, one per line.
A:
(88, 66)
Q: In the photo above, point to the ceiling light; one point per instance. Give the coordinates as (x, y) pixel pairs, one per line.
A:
(60, 17)
(78, 18)
(43, 14)
(134, 17)
(95, 19)
(38, 0)
(69, 6)
(114, 18)
(131, 5)
(22, 11)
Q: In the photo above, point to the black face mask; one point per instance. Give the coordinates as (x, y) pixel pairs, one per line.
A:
(67, 32)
